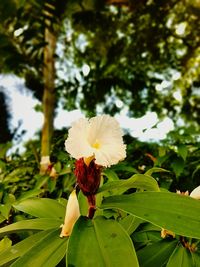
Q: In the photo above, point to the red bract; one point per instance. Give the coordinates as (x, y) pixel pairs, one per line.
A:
(88, 177)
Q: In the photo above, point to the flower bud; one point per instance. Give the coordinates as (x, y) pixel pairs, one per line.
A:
(196, 193)
(72, 214)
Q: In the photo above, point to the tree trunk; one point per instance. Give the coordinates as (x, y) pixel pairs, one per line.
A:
(48, 97)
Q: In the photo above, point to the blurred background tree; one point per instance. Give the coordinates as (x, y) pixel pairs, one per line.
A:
(105, 56)
(5, 133)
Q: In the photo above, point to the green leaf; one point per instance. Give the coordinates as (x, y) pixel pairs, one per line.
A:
(155, 169)
(146, 237)
(5, 210)
(178, 166)
(41, 180)
(2, 218)
(183, 151)
(21, 248)
(42, 208)
(196, 258)
(171, 211)
(100, 242)
(5, 243)
(140, 181)
(111, 175)
(83, 204)
(30, 194)
(181, 257)
(130, 223)
(156, 254)
(48, 252)
(34, 224)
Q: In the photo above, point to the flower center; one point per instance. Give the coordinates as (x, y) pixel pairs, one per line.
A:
(96, 145)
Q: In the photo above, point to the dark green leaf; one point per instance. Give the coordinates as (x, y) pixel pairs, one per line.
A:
(140, 181)
(34, 224)
(111, 175)
(183, 151)
(178, 166)
(21, 248)
(42, 208)
(181, 257)
(171, 211)
(48, 252)
(130, 223)
(156, 254)
(100, 242)
(155, 169)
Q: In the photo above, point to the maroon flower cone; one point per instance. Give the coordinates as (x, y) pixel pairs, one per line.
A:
(88, 180)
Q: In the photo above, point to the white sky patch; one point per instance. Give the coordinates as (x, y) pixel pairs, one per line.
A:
(180, 28)
(165, 84)
(65, 118)
(21, 105)
(22, 108)
(176, 76)
(119, 103)
(178, 96)
(85, 69)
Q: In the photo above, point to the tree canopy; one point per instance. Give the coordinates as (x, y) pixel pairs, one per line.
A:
(144, 54)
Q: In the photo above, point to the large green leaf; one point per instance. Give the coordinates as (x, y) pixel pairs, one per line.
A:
(48, 252)
(21, 248)
(140, 181)
(33, 224)
(156, 254)
(42, 208)
(100, 242)
(171, 211)
(181, 257)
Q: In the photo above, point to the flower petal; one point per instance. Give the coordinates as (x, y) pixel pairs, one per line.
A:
(110, 154)
(77, 142)
(100, 137)
(105, 129)
(196, 193)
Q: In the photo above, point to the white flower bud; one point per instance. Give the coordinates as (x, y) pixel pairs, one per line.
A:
(196, 193)
(72, 214)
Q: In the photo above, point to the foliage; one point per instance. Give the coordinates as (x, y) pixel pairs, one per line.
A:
(130, 211)
(145, 59)
(112, 55)
(99, 240)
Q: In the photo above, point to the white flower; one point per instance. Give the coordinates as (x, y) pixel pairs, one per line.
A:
(72, 214)
(99, 138)
(196, 193)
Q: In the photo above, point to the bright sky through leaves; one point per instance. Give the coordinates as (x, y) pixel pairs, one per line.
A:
(22, 105)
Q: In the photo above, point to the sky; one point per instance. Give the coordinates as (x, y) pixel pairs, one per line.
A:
(21, 105)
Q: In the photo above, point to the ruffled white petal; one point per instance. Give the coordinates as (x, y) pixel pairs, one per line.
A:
(100, 137)
(104, 129)
(77, 142)
(110, 154)
(196, 193)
